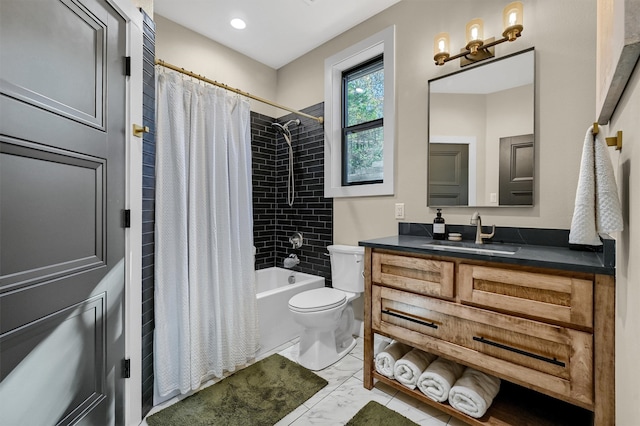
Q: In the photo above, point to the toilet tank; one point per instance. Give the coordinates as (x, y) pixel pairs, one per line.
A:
(347, 267)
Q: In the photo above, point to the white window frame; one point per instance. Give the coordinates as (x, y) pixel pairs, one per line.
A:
(380, 43)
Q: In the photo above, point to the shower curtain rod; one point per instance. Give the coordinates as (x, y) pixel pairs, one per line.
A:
(238, 91)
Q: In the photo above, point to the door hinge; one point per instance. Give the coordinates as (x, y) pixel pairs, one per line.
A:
(127, 66)
(126, 218)
(126, 368)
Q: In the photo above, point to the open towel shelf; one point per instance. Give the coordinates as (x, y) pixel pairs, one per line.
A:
(613, 140)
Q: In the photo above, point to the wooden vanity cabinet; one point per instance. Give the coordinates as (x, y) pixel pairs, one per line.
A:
(549, 334)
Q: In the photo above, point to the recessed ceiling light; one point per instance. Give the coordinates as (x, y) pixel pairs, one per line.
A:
(238, 24)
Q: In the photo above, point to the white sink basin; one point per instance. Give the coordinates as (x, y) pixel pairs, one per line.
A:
(471, 247)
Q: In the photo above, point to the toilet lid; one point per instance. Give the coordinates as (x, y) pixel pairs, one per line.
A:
(317, 299)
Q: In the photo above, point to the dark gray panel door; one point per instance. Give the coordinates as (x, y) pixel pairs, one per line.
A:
(448, 174)
(62, 189)
(516, 171)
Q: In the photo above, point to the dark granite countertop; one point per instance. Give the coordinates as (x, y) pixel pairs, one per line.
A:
(556, 254)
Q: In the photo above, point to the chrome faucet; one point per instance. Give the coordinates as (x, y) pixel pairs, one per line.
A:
(296, 240)
(291, 261)
(476, 220)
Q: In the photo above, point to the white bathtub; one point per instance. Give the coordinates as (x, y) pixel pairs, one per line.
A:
(273, 292)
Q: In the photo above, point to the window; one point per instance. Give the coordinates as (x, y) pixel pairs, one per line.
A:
(362, 124)
(360, 118)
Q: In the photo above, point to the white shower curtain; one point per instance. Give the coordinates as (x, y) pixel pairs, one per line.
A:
(205, 304)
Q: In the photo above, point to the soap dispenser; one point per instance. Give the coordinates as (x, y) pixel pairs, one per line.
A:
(439, 232)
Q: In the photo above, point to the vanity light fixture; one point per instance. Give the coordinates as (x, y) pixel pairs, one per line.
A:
(477, 48)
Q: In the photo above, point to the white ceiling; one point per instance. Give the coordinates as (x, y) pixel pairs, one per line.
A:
(278, 31)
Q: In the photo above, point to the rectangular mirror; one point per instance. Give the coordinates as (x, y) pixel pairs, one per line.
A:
(481, 134)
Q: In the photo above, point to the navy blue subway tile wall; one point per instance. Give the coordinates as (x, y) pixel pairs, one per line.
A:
(148, 209)
(311, 214)
(263, 151)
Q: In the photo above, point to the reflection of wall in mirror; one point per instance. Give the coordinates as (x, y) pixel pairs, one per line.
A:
(505, 117)
(487, 118)
(461, 116)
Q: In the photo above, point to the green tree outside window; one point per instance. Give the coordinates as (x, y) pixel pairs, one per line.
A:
(363, 136)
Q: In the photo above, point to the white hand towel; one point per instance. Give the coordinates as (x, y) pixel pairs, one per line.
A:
(597, 206)
(409, 368)
(386, 360)
(436, 381)
(473, 392)
(608, 209)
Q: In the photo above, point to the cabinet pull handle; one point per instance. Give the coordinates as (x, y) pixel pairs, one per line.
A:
(417, 321)
(519, 351)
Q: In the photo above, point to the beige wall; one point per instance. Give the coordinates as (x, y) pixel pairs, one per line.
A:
(509, 113)
(189, 50)
(627, 165)
(462, 115)
(565, 98)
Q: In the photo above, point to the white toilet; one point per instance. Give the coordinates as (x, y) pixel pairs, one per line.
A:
(325, 314)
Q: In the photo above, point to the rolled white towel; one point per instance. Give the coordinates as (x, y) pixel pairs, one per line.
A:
(409, 368)
(473, 392)
(379, 343)
(386, 360)
(436, 381)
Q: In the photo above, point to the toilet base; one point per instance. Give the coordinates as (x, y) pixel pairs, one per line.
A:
(319, 350)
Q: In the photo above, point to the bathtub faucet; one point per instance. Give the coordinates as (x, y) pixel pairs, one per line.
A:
(291, 261)
(296, 240)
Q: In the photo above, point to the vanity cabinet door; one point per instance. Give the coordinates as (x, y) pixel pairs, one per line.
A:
(554, 298)
(418, 275)
(411, 319)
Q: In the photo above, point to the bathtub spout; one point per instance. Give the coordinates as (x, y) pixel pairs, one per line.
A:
(291, 261)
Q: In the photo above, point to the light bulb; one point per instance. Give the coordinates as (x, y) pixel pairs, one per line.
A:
(512, 20)
(474, 30)
(441, 48)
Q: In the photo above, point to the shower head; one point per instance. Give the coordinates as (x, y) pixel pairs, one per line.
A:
(288, 123)
(279, 127)
(284, 128)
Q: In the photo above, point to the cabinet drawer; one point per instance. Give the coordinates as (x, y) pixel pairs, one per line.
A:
(423, 276)
(555, 359)
(559, 299)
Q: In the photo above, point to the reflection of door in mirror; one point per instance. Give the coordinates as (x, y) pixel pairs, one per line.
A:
(516, 170)
(448, 174)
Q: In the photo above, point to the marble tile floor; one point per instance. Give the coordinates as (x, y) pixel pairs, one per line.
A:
(345, 395)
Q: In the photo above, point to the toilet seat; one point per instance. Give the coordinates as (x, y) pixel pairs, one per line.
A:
(319, 299)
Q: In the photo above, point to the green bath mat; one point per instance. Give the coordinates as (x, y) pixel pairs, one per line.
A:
(260, 394)
(374, 414)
